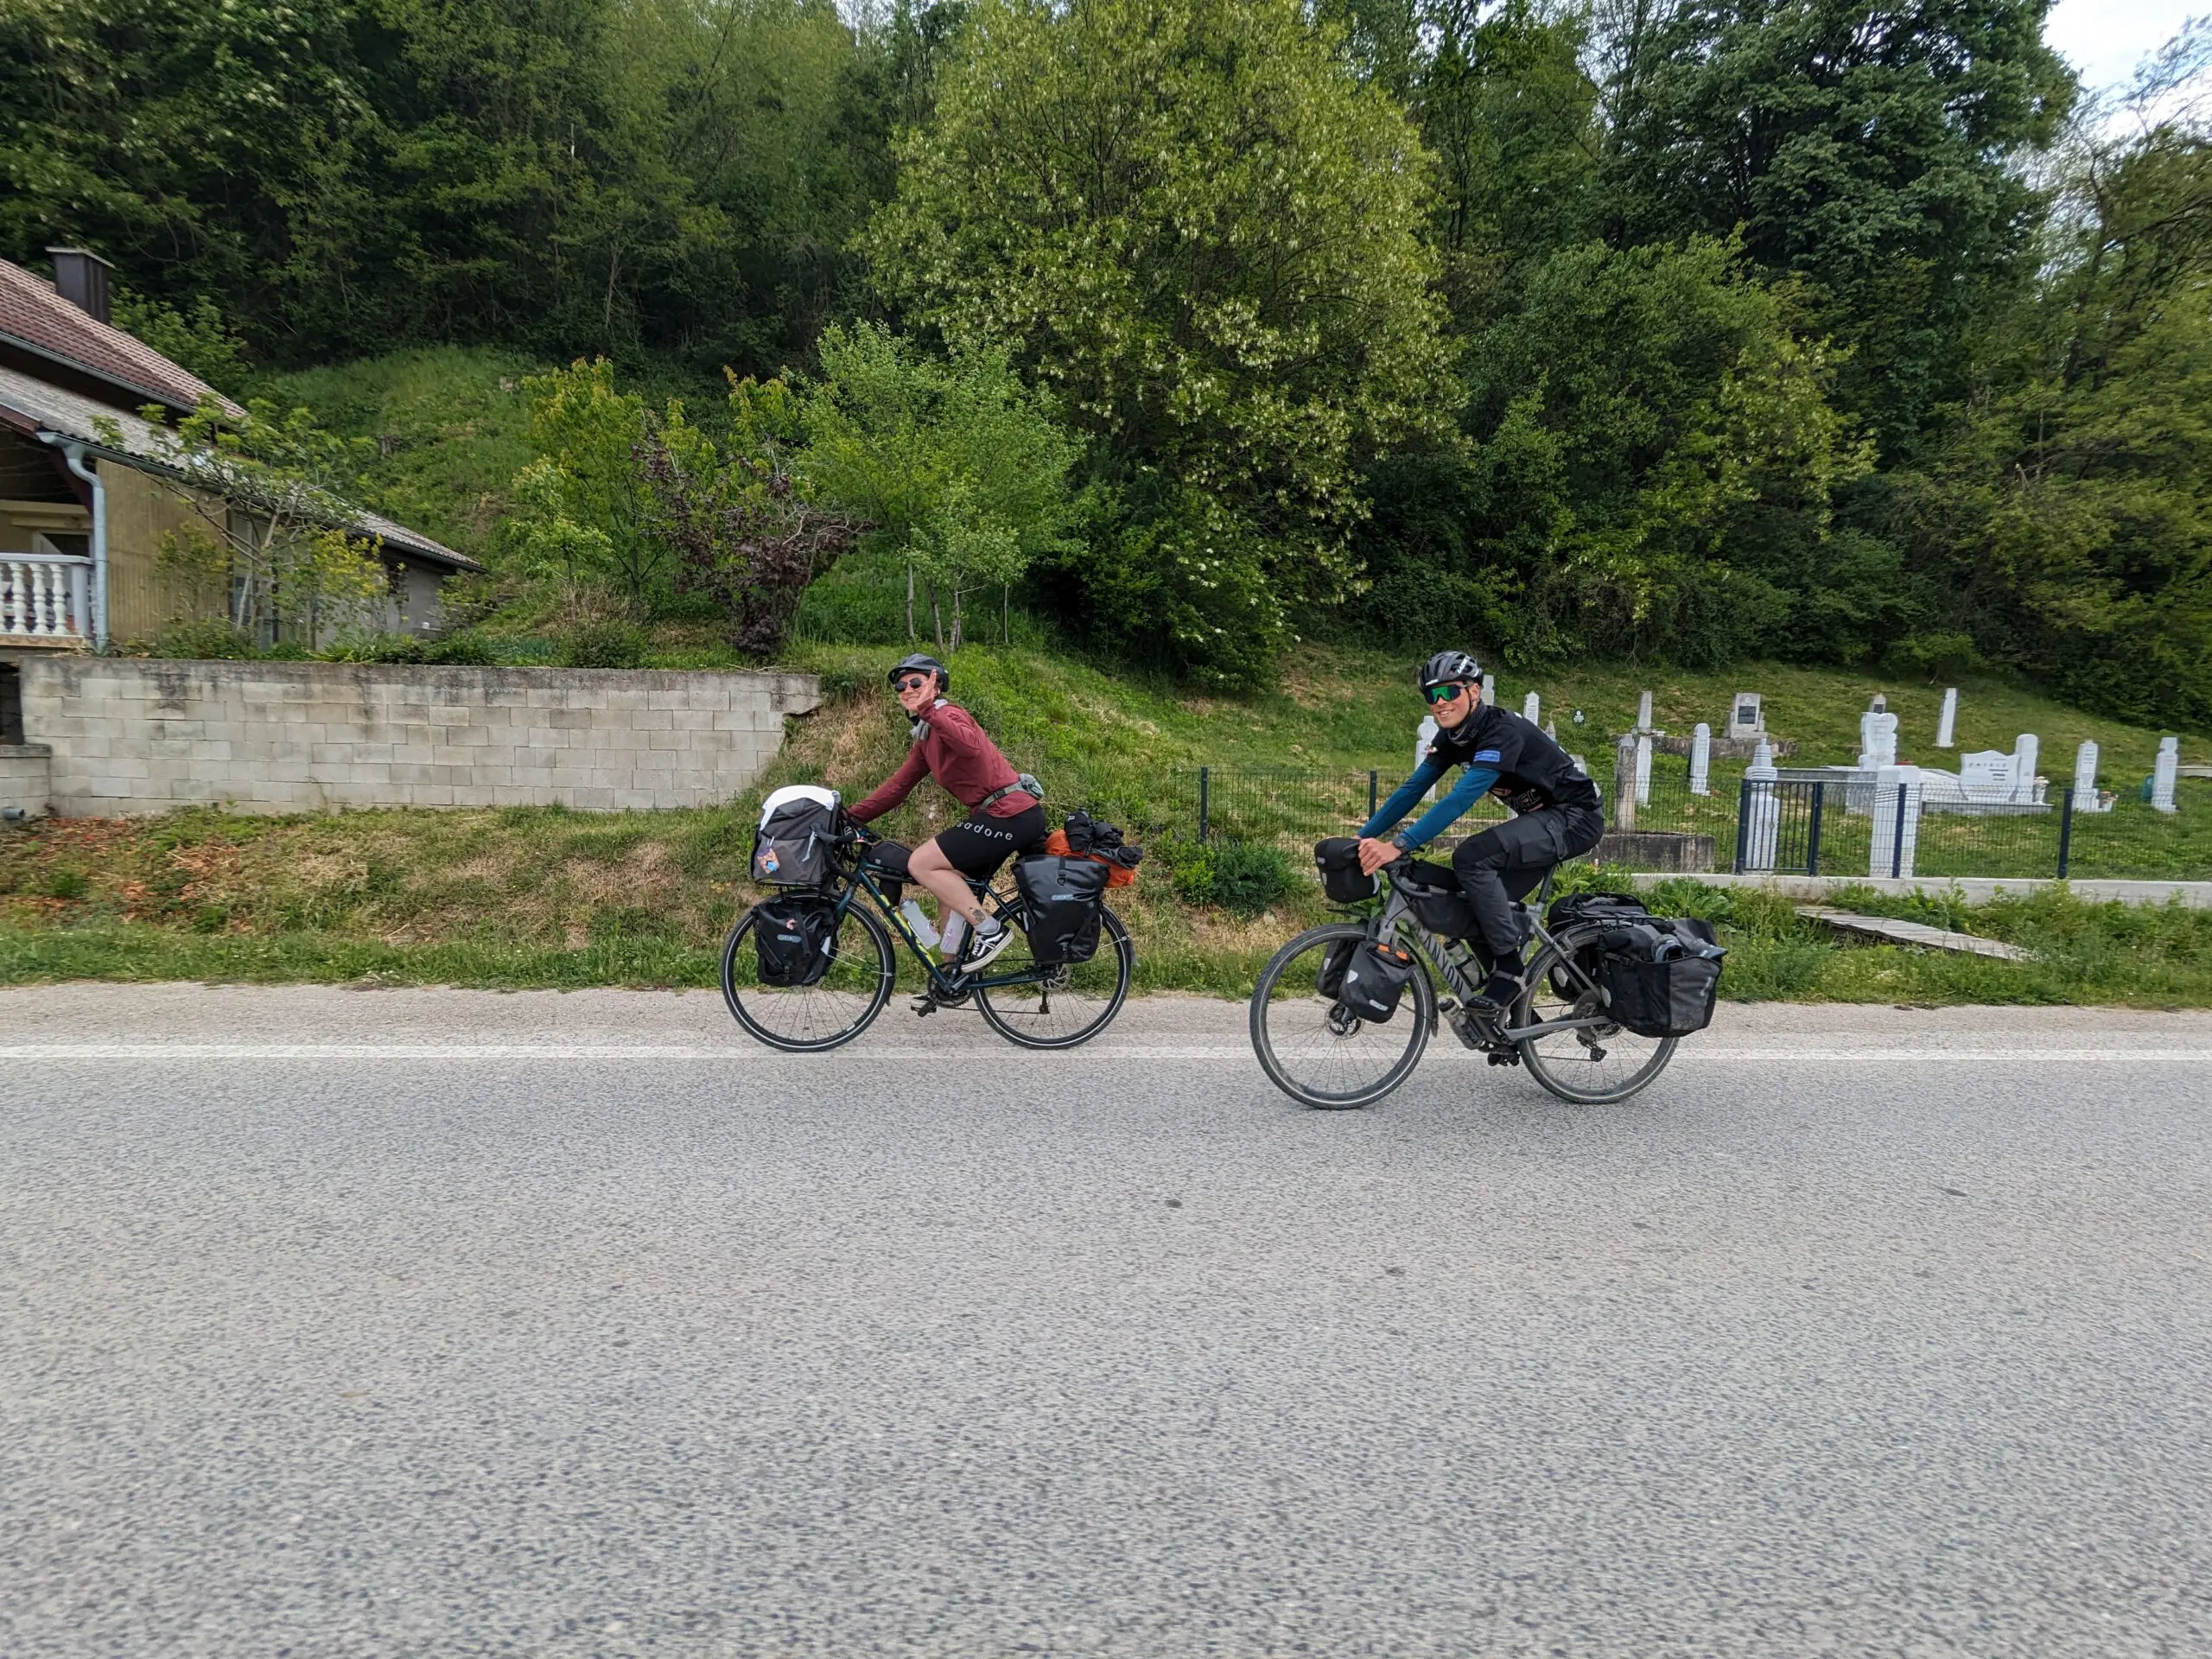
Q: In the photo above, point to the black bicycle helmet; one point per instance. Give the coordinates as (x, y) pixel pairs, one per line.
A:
(1449, 668)
(907, 665)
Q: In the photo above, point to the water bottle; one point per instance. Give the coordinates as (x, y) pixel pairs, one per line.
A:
(920, 922)
(955, 932)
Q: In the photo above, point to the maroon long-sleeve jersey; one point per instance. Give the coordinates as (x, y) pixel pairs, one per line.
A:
(955, 751)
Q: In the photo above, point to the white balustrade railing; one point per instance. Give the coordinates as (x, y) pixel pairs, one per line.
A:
(44, 596)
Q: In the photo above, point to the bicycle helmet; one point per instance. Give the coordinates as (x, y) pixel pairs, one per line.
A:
(1449, 668)
(908, 665)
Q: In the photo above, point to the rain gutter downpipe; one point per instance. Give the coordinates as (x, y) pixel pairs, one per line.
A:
(73, 452)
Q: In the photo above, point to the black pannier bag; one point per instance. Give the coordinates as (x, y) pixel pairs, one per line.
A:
(794, 937)
(1334, 961)
(1337, 859)
(790, 847)
(1662, 978)
(1595, 907)
(1375, 978)
(1061, 898)
(1438, 902)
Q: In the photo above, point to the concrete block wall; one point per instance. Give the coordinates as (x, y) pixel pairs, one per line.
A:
(26, 777)
(131, 736)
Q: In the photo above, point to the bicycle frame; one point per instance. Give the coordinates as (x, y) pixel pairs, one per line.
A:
(1397, 919)
(860, 876)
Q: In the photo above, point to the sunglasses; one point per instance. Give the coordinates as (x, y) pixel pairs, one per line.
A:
(1446, 693)
(913, 681)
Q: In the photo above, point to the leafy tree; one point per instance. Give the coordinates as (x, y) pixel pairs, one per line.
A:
(585, 516)
(1864, 149)
(273, 531)
(962, 470)
(1189, 221)
(747, 536)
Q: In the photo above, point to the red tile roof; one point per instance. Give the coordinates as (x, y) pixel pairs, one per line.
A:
(32, 315)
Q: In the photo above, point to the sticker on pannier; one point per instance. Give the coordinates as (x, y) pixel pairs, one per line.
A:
(795, 941)
(1376, 979)
(1061, 899)
(1337, 860)
(791, 847)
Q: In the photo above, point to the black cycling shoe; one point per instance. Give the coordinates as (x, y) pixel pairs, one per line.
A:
(1495, 1000)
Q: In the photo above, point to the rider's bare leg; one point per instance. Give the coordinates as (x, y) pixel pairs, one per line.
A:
(929, 867)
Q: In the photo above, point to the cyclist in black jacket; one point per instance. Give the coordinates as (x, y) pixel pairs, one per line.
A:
(1556, 811)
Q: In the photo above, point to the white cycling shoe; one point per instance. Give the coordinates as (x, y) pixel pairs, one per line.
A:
(983, 948)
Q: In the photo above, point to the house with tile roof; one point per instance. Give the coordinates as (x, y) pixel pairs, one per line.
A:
(89, 490)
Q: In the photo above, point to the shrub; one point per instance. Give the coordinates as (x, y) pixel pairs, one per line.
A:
(204, 638)
(603, 645)
(461, 650)
(1241, 877)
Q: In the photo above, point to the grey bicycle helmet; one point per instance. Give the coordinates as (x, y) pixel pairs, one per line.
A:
(929, 664)
(1449, 668)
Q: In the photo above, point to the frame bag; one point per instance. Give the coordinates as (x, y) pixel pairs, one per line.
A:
(1435, 896)
(1337, 860)
(1061, 899)
(1374, 979)
(1660, 977)
(796, 939)
(791, 847)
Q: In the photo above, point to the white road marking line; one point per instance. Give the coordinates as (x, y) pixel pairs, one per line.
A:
(1691, 1053)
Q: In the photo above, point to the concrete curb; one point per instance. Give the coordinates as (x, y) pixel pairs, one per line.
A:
(1973, 889)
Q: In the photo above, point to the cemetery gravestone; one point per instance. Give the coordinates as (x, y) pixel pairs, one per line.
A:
(1987, 775)
(2162, 775)
(2086, 798)
(1747, 718)
(1529, 706)
(1878, 739)
(1701, 758)
(2025, 750)
(1762, 811)
(1948, 721)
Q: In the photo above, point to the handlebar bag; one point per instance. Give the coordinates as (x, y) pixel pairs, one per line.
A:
(1376, 979)
(795, 939)
(1438, 903)
(791, 847)
(1061, 899)
(1337, 860)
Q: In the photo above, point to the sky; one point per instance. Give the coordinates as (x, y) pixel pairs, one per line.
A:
(2104, 39)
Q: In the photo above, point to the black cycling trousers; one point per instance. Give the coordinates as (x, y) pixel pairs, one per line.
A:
(1508, 861)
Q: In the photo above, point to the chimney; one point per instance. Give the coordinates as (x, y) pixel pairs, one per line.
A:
(80, 277)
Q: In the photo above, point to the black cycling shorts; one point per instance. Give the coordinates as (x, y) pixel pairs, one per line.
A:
(978, 844)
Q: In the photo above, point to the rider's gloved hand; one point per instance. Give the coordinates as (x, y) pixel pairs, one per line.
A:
(1375, 853)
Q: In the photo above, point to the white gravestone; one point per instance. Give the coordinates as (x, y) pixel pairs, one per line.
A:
(2086, 798)
(1701, 758)
(2164, 773)
(1947, 722)
(1987, 775)
(1878, 741)
(1424, 735)
(1762, 812)
(1747, 716)
(1644, 768)
(1643, 713)
(1896, 822)
(1490, 690)
(1531, 706)
(2025, 750)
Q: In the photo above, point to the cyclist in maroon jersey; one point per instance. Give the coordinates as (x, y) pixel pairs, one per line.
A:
(1004, 818)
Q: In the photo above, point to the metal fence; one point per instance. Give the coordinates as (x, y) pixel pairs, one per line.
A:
(1844, 827)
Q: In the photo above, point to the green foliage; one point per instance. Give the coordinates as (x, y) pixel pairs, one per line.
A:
(196, 337)
(604, 644)
(583, 506)
(202, 640)
(1244, 878)
(1861, 149)
(1192, 225)
(960, 469)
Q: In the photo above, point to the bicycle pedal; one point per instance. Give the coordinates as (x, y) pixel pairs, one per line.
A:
(924, 1006)
(1509, 1057)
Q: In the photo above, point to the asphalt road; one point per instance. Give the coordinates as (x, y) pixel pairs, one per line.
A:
(337, 1323)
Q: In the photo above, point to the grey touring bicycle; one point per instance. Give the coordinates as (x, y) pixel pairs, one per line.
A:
(1610, 991)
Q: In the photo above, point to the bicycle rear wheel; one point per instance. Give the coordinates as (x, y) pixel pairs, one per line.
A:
(1596, 1066)
(807, 1019)
(1061, 1005)
(1316, 1053)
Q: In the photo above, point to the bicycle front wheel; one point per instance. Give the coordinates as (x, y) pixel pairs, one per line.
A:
(1316, 1052)
(1063, 1005)
(1594, 1065)
(831, 1012)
